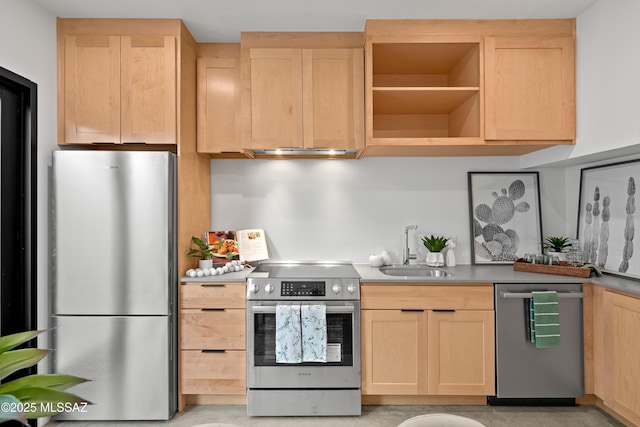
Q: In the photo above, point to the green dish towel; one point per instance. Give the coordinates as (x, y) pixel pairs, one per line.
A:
(544, 319)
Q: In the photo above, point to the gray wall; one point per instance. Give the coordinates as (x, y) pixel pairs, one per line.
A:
(28, 48)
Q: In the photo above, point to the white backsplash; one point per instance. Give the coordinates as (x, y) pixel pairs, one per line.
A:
(348, 209)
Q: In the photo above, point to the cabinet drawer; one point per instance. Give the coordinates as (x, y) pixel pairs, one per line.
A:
(212, 295)
(212, 329)
(203, 372)
(452, 296)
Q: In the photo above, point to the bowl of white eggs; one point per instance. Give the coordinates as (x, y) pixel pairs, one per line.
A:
(230, 267)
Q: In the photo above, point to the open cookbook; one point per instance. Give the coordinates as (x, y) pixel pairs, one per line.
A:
(245, 245)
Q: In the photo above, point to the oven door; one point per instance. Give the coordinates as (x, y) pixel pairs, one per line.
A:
(342, 369)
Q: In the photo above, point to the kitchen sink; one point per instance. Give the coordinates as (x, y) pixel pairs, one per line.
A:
(413, 270)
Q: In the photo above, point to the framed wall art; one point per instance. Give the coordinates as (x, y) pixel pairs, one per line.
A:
(505, 216)
(607, 217)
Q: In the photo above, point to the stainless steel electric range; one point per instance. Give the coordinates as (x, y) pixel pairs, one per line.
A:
(329, 387)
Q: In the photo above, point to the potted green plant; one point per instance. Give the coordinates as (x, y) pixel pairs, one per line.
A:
(435, 245)
(555, 246)
(32, 396)
(202, 251)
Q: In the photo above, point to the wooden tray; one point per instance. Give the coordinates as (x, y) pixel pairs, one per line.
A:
(563, 269)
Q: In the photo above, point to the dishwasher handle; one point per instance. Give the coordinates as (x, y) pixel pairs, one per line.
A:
(525, 295)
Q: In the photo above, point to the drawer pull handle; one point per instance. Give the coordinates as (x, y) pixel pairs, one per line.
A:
(212, 309)
(444, 311)
(214, 351)
(412, 310)
(213, 285)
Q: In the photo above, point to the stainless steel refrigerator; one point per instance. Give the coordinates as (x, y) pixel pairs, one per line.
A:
(114, 281)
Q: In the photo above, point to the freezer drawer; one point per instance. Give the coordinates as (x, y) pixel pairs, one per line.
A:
(128, 360)
(524, 371)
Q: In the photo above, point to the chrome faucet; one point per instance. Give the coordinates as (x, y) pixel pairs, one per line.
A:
(406, 253)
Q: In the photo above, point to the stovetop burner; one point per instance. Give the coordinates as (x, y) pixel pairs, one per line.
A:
(305, 270)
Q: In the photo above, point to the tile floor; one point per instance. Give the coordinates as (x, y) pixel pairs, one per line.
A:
(380, 416)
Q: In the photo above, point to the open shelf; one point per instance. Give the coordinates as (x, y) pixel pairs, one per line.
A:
(425, 90)
(420, 100)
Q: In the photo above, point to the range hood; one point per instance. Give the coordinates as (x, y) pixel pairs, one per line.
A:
(306, 153)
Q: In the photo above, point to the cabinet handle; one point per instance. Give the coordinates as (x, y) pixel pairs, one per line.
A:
(212, 309)
(103, 143)
(412, 309)
(444, 311)
(213, 285)
(214, 351)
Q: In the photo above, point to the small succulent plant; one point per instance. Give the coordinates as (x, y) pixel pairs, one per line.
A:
(435, 243)
(556, 244)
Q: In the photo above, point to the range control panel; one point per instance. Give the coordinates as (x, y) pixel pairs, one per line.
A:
(303, 289)
(306, 289)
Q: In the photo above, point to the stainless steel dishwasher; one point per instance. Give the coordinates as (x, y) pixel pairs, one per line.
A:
(524, 371)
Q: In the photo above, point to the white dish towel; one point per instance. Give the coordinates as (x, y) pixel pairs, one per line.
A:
(314, 333)
(288, 334)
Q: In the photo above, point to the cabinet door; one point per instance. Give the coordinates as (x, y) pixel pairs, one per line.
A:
(91, 90)
(213, 372)
(461, 352)
(394, 352)
(529, 88)
(276, 98)
(218, 105)
(212, 329)
(333, 98)
(148, 89)
(621, 353)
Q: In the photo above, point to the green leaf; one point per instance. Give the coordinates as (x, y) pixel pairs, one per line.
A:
(12, 361)
(199, 243)
(10, 341)
(52, 381)
(435, 243)
(13, 402)
(47, 402)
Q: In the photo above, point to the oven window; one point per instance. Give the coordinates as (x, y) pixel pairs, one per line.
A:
(339, 333)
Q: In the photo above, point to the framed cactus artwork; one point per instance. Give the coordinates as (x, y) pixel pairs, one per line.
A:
(607, 217)
(505, 216)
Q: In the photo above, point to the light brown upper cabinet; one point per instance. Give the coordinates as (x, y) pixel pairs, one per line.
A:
(469, 87)
(529, 88)
(117, 89)
(305, 98)
(219, 105)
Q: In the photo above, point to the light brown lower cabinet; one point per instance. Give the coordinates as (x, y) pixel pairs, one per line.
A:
(461, 352)
(212, 340)
(213, 372)
(618, 381)
(433, 344)
(394, 352)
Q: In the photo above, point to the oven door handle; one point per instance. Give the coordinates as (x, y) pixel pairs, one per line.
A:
(525, 295)
(330, 308)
